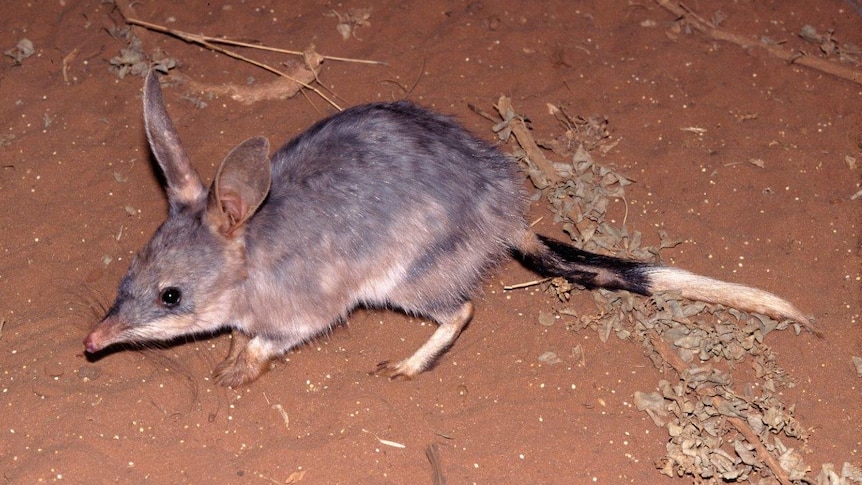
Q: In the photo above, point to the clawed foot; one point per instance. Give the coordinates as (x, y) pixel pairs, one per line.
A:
(451, 324)
(396, 371)
(248, 358)
(237, 372)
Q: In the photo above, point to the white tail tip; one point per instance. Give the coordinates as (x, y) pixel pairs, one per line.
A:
(741, 297)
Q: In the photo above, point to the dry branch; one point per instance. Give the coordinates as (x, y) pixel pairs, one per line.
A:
(205, 42)
(522, 134)
(281, 88)
(792, 57)
(300, 78)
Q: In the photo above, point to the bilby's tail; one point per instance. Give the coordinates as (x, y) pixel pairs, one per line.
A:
(549, 257)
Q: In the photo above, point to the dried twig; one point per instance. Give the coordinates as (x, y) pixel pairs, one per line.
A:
(280, 88)
(68, 59)
(312, 59)
(526, 284)
(382, 441)
(791, 57)
(522, 134)
(484, 114)
(762, 452)
(200, 38)
(261, 47)
(206, 42)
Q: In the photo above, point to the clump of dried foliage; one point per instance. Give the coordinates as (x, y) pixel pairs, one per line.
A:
(718, 430)
(133, 60)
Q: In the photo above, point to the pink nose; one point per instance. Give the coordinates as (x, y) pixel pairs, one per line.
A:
(103, 334)
(91, 343)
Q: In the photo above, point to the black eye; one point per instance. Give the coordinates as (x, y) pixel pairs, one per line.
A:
(171, 296)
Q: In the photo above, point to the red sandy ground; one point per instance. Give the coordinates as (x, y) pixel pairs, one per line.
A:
(496, 413)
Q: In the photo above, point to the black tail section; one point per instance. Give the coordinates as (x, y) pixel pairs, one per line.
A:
(587, 269)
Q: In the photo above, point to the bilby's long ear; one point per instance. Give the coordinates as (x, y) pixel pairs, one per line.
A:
(184, 183)
(241, 185)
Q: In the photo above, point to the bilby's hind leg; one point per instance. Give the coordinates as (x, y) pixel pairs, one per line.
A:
(450, 326)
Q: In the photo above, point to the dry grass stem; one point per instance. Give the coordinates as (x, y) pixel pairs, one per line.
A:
(207, 42)
(223, 40)
(393, 444)
(526, 284)
(198, 38)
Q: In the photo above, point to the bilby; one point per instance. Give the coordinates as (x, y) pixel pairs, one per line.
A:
(382, 205)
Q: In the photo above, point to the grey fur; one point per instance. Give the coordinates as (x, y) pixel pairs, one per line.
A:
(384, 204)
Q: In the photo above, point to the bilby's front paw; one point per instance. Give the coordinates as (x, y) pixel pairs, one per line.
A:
(237, 372)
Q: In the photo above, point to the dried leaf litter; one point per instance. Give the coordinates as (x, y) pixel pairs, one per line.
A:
(718, 430)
